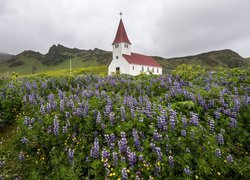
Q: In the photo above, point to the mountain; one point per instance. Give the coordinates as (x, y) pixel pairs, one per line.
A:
(5, 57)
(58, 57)
(212, 60)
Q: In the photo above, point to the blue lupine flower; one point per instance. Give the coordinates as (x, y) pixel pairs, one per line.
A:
(171, 161)
(217, 152)
(21, 156)
(94, 152)
(124, 174)
(229, 158)
(111, 118)
(233, 123)
(131, 158)
(183, 132)
(115, 158)
(56, 126)
(194, 120)
(136, 139)
(24, 140)
(42, 109)
(187, 170)
(220, 139)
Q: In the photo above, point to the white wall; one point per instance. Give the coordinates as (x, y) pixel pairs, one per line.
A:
(138, 70)
(120, 62)
(121, 50)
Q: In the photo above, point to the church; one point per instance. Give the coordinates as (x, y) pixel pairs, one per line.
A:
(126, 62)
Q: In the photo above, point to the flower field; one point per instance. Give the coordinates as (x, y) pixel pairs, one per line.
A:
(121, 127)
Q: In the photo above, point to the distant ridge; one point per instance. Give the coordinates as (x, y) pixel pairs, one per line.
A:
(58, 58)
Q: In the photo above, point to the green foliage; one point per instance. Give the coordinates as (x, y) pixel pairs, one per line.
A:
(72, 103)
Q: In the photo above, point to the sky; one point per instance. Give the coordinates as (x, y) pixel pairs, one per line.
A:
(167, 28)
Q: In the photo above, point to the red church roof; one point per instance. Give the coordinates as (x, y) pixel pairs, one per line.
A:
(140, 59)
(121, 35)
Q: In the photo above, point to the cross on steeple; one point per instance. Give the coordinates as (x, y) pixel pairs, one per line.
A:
(120, 14)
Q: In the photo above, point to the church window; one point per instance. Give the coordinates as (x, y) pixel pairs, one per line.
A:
(142, 68)
(148, 68)
(116, 57)
(157, 70)
(133, 67)
(152, 69)
(117, 45)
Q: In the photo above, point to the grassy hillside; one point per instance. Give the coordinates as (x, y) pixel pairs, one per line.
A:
(212, 60)
(58, 58)
(5, 57)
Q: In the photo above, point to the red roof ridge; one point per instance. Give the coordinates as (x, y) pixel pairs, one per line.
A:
(141, 59)
(121, 35)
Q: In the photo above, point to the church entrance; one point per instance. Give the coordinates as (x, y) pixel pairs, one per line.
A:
(117, 70)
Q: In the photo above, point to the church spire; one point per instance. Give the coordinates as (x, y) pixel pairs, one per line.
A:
(121, 35)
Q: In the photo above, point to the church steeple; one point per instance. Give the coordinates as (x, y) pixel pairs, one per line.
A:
(121, 35)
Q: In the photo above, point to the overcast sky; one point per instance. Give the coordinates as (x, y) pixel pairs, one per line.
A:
(167, 28)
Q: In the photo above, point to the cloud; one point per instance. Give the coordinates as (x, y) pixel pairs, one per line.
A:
(163, 27)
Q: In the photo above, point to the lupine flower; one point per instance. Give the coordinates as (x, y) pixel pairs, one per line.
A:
(136, 139)
(122, 109)
(48, 107)
(220, 139)
(217, 152)
(184, 122)
(71, 155)
(211, 124)
(122, 144)
(171, 161)
(233, 123)
(2, 163)
(111, 118)
(56, 126)
(98, 118)
(42, 109)
(105, 154)
(194, 120)
(124, 174)
(94, 152)
(159, 153)
(62, 104)
(140, 158)
(157, 136)
(21, 156)
(131, 158)
(183, 132)
(187, 170)
(229, 158)
(24, 140)
(115, 158)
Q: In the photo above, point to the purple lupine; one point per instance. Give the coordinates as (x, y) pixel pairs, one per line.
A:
(24, 140)
(217, 114)
(132, 111)
(140, 158)
(124, 174)
(157, 136)
(21, 156)
(71, 155)
(159, 153)
(48, 107)
(105, 154)
(56, 126)
(220, 139)
(211, 125)
(192, 134)
(42, 109)
(122, 145)
(67, 115)
(172, 118)
(115, 158)
(136, 139)
(217, 152)
(194, 120)
(233, 123)
(230, 158)
(187, 170)
(161, 123)
(131, 158)
(171, 161)
(236, 104)
(183, 132)
(62, 104)
(111, 118)
(94, 152)
(122, 109)
(98, 118)
(26, 120)
(184, 122)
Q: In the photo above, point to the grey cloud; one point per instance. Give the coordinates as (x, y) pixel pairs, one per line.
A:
(163, 27)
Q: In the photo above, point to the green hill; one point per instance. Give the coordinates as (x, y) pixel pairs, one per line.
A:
(58, 58)
(212, 60)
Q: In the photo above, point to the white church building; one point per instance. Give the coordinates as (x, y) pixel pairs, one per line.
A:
(126, 62)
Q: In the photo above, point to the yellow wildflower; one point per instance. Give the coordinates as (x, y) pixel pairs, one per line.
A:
(196, 177)
(218, 173)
